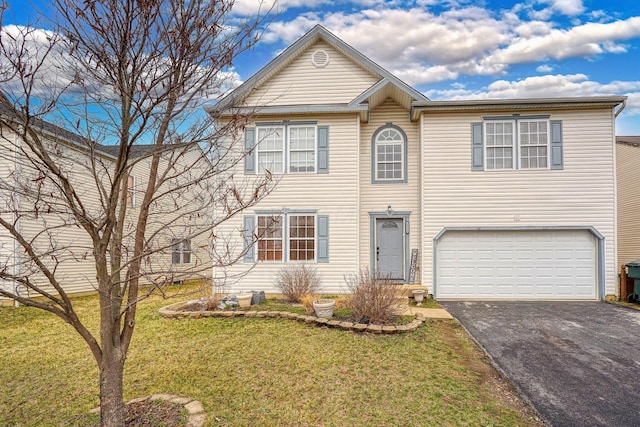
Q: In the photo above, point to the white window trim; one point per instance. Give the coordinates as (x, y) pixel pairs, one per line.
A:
(286, 146)
(401, 161)
(516, 157)
(260, 146)
(283, 238)
(315, 147)
(548, 144)
(180, 243)
(514, 145)
(286, 237)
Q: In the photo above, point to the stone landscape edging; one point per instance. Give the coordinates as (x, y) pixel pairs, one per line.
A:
(195, 411)
(170, 313)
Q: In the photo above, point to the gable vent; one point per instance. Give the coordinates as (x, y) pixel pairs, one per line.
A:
(320, 58)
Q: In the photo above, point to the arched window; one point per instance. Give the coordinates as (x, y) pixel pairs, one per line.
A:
(389, 155)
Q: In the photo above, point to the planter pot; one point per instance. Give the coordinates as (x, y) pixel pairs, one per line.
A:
(418, 295)
(244, 300)
(324, 307)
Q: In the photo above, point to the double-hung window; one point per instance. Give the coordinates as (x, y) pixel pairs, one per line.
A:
(270, 237)
(517, 143)
(302, 237)
(302, 149)
(287, 148)
(270, 149)
(500, 145)
(180, 251)
(534, 143)
(287, 236)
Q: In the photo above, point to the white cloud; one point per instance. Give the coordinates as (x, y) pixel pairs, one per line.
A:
(460, 41)
(566, 7)
(556, 85)
(545, 68)
(585, 40)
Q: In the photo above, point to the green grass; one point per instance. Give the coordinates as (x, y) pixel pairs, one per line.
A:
(253, 372)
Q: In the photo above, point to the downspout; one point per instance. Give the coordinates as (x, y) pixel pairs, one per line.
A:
(16, 218)
(624, 104)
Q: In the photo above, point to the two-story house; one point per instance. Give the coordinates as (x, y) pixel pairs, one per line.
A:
(489, 199)
(30, 201)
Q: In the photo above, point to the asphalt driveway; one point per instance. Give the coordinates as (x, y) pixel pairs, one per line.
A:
(578, 363)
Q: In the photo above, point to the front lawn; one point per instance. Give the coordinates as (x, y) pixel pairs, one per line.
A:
(257, 372)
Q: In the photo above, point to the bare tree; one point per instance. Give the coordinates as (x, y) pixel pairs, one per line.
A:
(123, 82)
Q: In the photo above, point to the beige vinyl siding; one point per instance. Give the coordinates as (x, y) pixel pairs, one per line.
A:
(334, 194)
(172, 217)
(75, 269)
(581, 194)
(628, 183)
(402, 197)
(73, 264)
(301, 82)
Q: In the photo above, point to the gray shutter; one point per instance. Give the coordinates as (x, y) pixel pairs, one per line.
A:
(477, 147)
(323, 149)
(556, 144)
(249, 152)
(323, 238)
(249, 225)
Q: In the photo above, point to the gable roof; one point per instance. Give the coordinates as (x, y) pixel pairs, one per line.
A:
(633, 141)
(388, 85)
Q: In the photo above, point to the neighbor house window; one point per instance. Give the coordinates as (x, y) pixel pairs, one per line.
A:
(302, 237)
(389, 155)
(270, 238)
(270, 149)
(181, 251)
(131, 195)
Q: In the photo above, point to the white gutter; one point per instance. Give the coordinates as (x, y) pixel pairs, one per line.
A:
(624, 104)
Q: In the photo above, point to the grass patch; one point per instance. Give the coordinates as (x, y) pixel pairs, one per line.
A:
(255, 372)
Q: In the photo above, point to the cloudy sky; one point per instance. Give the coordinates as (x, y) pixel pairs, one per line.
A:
(471, 49)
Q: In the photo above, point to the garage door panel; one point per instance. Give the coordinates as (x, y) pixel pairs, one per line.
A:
(547, 264)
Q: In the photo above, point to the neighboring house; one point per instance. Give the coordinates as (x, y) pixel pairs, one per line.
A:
(501, 199)
(628, 189)
(68, 248)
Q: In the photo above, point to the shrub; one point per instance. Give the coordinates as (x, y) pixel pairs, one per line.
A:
(373, 298)
(307, 301)
(295, 281)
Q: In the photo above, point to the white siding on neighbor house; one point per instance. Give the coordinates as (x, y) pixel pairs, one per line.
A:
(628, 185)
(334, 194)
(172, 217)
(581, 194)
(72, 245)
(76, 268)
(301, 82)
(402, 197)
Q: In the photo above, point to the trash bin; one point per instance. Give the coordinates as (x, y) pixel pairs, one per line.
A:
(633, 268)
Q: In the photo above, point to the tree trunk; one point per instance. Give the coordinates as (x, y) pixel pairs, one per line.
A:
(111, 403)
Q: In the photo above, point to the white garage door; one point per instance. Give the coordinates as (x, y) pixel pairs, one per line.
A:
(544, 265)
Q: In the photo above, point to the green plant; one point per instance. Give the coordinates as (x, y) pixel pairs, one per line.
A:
(296, 281)
(373, 297)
